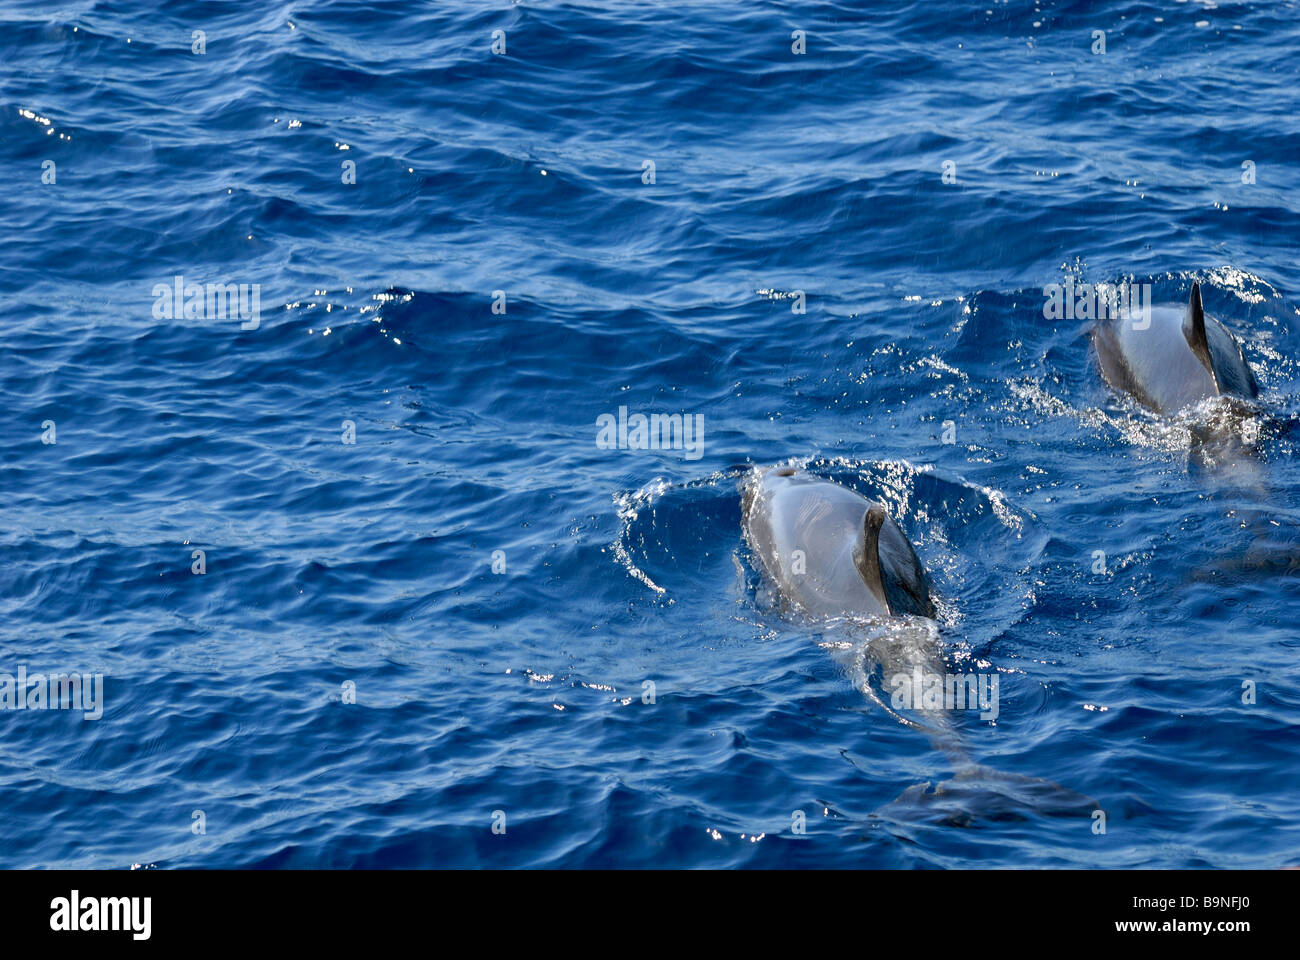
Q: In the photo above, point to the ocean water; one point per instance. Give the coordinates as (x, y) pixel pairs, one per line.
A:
(834, 257)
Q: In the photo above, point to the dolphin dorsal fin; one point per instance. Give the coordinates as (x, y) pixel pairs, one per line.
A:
(1218, 350)
(1194, 331)
(896, 578)
(868, 560)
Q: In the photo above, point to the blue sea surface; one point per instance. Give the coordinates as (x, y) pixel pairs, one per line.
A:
(562, 655)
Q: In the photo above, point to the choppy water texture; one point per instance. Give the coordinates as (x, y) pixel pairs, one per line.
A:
(522, 692)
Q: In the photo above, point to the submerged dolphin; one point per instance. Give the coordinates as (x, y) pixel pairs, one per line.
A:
(831, 551)
(1175, 358)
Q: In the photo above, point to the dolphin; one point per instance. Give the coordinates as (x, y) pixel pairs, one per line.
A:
(1174, 357)
(836, 556)
(830, 551)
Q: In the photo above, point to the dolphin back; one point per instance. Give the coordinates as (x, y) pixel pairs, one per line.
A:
(1172, 357)
(831, 551)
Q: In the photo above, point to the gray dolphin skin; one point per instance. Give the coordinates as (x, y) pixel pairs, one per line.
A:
(831, 551)
(1181, 357)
